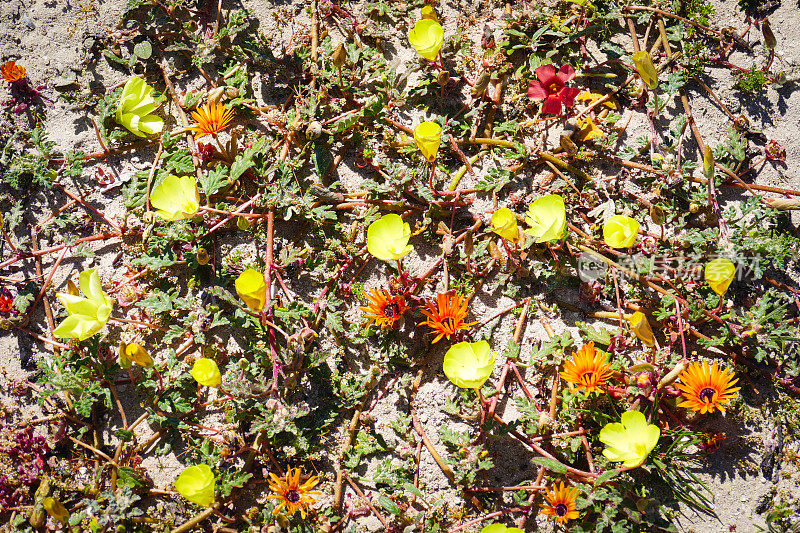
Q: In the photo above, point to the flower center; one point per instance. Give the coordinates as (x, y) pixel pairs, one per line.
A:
(560, 509)
(707, 394)
(553, 88)
(292, 496)
(448, 323)
(391, 310)
(587, 376)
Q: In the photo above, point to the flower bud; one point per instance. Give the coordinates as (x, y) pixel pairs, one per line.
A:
(339, 56)
(644, 66)
(769, 38)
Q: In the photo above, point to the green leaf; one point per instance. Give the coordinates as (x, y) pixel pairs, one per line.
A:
(412, 489)
(214, 180)
(550, 464)
(389, 505)
(143, 50)
(322, 157)
(605, 476)
(127, 477)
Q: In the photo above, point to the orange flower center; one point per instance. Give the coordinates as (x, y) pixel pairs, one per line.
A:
(707, 395)
(448, 323)
(292, 496)
(560, 509)
(391, 310)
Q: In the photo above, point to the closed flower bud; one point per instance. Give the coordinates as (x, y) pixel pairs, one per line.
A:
(202, 256)
(314, 130)
(769, 38)
(443, 77)
(644, 66)
(339, 56)
(481, 83)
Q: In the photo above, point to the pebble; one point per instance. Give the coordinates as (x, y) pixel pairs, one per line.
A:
(28, 22)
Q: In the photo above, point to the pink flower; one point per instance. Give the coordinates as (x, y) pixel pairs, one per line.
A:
(552, 88)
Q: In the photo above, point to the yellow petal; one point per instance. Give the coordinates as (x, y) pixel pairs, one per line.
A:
(197, 484)
(719, 274)
(252, 289)
(469, 364)
(387, 238)
(427, 136)
(426, 37)
(641, 328)
(504, 223)
(176, 198)
(206, 372)
(547, 218)
(427, 12)
(644, 66)
(620, 231)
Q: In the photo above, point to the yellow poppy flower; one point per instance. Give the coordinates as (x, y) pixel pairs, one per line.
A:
(251, 288)
(197, 484)
(630, 441)
(133, 353)
(620, 231)
(206, 372)
(87, 314)
(547, 218)
(427, 136)
(644, 66)
(135, 108)
(387, 238)
(589, 130)
(719, 274)
(641, 328)
(504, 223)
(469, 364)
(426, 37)
(176, 198)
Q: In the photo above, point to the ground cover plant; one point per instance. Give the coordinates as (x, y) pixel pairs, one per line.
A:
(407, 234)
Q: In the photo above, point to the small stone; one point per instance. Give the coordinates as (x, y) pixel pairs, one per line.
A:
(66, 80)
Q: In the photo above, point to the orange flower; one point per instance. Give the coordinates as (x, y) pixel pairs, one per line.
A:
(211, 119)
(560, 503)
(447, 317)
(712, 442)
(706, 388)
(384, 309)
(13, 72)
(291, 494)
(588, 369)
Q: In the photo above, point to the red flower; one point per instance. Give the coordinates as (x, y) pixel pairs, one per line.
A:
(552, 88)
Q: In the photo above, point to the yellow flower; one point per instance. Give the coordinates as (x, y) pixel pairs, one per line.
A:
(588, 96)
(500, 528)
(427, 12)
(504, 223)
(719, 274)
(206, 372)
(427, 136)
(251, 288)
(641, 328)
(620, 231)
(211, 119)
(133, 353)
(88, 314)
(469, 364)
(196, 484)
(588, 130)
(547, 218)
(387, 238)
(644, 66)
(135, 107)
(426, 37)
(630, 441)
(176, 198)
(56, 509)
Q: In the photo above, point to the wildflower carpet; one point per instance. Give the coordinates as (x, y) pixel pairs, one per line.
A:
(399, 266)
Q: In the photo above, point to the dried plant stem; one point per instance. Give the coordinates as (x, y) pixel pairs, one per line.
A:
(195, 520)
(367, 500)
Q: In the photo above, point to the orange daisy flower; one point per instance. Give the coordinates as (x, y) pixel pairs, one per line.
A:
(560, 503)
(588, 369)
(447, 316)
(291, 494)
(13, 72)
(211, 119)
(706, 388)
(384, 309)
